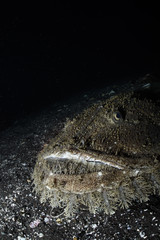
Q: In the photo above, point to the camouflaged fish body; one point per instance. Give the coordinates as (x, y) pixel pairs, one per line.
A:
(105, 157)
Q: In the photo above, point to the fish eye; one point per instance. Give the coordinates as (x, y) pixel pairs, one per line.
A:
(117, 117)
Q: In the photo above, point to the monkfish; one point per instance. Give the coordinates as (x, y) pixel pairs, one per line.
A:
(104, 158)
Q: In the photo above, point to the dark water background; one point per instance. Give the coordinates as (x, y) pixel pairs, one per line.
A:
(48, 57)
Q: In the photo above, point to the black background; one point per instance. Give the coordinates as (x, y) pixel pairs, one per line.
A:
(52, 54)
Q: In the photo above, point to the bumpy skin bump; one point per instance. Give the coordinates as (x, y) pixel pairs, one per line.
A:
(104, 158)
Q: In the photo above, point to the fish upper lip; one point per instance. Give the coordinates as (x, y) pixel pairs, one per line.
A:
(83, 158)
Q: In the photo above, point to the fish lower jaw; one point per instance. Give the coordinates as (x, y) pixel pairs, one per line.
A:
(71, 178)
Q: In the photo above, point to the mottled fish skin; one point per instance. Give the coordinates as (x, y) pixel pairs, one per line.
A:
(105, 157)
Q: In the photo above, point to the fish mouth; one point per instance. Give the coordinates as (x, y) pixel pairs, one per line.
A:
(78, 171)
(84, 158)
(73, 171)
